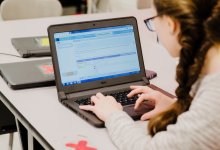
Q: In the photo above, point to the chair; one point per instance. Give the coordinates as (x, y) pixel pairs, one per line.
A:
(92, 6)
(95, 6)
(25, 9)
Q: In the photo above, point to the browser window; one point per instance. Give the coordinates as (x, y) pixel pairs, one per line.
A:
(96, 54)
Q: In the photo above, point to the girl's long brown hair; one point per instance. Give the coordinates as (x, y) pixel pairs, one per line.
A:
(197, 35)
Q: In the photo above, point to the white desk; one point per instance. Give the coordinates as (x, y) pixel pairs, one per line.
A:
(39, 110)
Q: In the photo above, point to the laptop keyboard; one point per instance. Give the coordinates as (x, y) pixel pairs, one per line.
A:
(120, 97)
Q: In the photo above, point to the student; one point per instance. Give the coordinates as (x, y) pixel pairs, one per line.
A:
(189, 29)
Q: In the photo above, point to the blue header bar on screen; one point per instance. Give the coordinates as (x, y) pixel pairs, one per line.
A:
(80, 34)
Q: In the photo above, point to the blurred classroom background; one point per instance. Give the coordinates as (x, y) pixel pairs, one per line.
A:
(25, 9)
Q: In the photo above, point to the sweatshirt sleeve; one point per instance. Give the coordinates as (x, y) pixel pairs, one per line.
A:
(196, 129)
(125, 133)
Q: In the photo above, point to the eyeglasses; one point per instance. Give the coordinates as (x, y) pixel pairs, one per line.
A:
(150, 24)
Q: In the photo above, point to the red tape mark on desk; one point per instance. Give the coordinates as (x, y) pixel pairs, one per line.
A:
(80, 146)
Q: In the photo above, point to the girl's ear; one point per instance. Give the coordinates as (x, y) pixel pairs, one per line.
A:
(173, 25)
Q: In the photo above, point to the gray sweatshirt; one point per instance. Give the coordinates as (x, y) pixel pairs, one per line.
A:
(196, 129)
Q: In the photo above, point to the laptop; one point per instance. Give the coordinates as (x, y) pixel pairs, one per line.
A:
(98, 56)
(32, 46)
(28, 74)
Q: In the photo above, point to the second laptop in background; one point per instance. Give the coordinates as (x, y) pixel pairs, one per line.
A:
(32, 46)
(28, 74)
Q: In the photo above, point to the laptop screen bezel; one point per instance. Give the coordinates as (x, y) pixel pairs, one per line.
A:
(92, 25)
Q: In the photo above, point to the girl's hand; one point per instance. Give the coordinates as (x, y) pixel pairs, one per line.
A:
(103, 106)
(156, 98)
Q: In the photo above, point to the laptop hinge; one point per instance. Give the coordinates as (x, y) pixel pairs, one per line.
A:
(146, 81)
(62, 96)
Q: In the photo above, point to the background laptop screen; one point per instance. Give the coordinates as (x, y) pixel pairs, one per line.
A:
(96, 54)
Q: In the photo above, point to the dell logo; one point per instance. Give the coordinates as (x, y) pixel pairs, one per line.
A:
(103, 82)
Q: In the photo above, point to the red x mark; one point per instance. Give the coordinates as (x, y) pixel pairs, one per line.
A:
(80, 146)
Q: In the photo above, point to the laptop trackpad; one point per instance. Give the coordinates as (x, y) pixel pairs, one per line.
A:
(136, 114)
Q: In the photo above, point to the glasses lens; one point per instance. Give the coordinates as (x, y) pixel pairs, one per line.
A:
(150, 25)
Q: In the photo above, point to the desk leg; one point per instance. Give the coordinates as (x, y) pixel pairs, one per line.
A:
(28, 142)
(11, 138)
(33, 144)
(22, 132)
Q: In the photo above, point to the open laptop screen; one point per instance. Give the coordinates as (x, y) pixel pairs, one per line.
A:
(96, 54)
